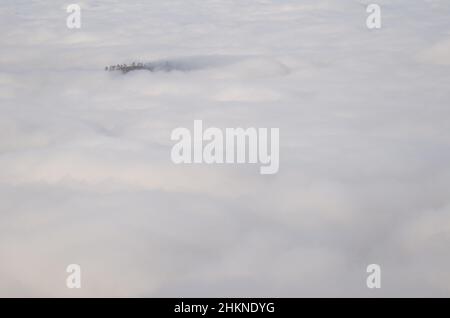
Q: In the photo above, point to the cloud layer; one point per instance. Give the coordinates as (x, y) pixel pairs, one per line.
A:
(86, 175)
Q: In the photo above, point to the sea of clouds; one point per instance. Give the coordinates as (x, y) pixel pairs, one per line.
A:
(85, 169)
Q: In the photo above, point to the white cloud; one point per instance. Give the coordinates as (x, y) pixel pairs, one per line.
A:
(437, 54)
(86, 175)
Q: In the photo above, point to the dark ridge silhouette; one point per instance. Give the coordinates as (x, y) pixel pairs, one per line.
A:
(185, 64)
(195, 63)
(159, 66)
(125, 68)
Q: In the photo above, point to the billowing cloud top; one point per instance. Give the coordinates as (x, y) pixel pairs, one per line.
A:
(85, 169)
